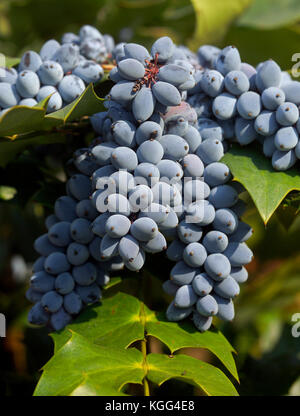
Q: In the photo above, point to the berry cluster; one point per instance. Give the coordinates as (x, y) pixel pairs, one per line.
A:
(150, 178)
(68, 274)
(238, 102)
(62, 70)
(148, 83)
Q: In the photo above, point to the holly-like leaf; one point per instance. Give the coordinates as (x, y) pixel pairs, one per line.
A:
(266, 187)
(116, 326)
(214, 17)
(86, 105)
(270, 14)
(20, 120)
(82, 368)
(210, 379)
(124, 319)
(184, 335)
(117, 323)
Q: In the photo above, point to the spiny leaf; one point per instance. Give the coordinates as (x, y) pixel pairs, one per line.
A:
(91, 355)
(210, 379)
(87, 104)
(266, 187)
(117, 322)
(21, 119)
(185, 335)
(82, 368)
(123, 320)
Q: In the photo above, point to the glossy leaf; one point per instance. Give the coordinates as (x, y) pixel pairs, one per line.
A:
(123, 319)
(266, 187)
(114, 323)
(21, 119)
(85, 105)
(185, 335)
(210, 379)
(81, 368)
(96, 346)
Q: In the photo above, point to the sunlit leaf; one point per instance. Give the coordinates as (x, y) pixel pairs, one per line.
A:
(88, 351)
(21, 119)
(7, 193)
(81, 368)
(10, 62)
(214, 17)
(210, 379)
(266, 187)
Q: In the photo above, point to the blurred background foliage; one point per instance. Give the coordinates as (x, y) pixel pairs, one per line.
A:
(268, 356)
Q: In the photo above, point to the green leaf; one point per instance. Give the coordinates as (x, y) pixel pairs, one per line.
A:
(117, 322)
(10, 148)
(266, 187)
(92, 355)
(10, 62)
(85, 105)
(184, 335)
(210, 379)
(270, 14)
(7, 193)
(123, 319)
(81, 368)
(214, 17)
(21, 119)
(114, 281)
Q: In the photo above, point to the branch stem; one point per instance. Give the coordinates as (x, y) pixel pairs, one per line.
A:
(145, 381)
